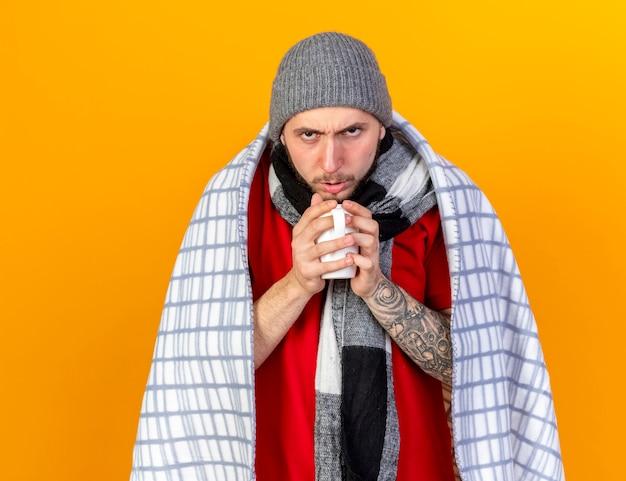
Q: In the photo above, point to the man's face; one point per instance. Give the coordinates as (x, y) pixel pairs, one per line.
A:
(332, 148)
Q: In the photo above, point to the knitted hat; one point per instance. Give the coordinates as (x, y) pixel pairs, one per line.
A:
(328, 70)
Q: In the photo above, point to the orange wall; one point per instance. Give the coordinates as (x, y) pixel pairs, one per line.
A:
(113, 115)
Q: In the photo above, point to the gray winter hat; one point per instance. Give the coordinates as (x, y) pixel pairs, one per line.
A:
(328, 70)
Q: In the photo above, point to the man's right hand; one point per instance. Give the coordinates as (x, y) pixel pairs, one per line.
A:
(307, 269)
(278, 308)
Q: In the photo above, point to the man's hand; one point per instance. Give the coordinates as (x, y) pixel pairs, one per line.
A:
(368, 274)
(281, 305)
(307, 268)
(420, 332)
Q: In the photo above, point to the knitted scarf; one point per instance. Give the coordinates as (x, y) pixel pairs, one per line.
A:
(356, 424)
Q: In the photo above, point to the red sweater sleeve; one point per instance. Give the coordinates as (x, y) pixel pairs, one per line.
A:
(420, 264)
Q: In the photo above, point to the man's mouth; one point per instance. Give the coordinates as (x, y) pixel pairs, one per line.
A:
(333, 188)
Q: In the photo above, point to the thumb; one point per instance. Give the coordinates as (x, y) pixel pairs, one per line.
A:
(316, 199)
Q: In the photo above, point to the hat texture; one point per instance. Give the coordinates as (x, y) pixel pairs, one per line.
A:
(329, 69)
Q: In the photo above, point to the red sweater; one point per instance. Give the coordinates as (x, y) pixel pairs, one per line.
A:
(285, 383)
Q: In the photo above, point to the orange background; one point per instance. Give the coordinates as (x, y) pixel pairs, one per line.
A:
(114, 114)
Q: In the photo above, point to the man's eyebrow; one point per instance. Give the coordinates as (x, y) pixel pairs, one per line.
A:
(356, 125)
(301, 130)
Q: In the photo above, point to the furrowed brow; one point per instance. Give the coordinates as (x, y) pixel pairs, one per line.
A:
(356, 125)
(301, 130)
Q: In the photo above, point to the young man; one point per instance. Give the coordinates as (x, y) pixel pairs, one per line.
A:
(265, 370)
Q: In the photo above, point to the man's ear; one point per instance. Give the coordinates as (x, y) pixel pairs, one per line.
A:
(382, 133)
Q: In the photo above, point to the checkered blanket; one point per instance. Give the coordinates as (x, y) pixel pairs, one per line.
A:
(198, 415)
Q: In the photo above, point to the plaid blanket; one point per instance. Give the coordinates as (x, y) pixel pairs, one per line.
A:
(197, 419)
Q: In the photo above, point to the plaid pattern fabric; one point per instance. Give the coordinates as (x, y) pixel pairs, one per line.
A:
(197, 417)
(197, 420)
(502, 411)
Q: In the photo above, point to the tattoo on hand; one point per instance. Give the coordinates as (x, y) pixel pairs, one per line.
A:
(422, 333)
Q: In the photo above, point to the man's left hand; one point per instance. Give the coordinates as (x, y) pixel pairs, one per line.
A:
(367, 260)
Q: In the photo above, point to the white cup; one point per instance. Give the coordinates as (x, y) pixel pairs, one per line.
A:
(339, 230)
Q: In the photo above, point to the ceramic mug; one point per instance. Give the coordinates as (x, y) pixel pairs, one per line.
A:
(338, 230)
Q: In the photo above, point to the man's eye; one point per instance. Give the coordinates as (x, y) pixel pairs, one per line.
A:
(308, 135)
(352, 132)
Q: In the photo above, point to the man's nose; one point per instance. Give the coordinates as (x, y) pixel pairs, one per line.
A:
(331, 156)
